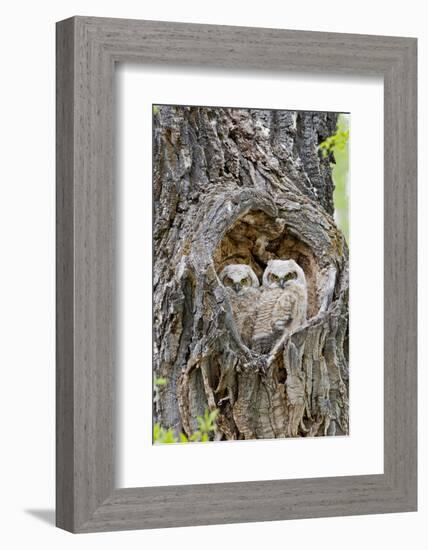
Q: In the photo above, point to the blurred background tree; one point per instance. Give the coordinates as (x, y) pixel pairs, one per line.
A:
(337, 146)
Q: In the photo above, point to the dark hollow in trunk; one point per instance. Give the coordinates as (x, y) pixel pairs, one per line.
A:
(246, 186)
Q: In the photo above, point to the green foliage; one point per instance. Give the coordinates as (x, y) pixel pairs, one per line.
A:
(160, 381)
(160, 435)
(206, 428)
(183, 438)
(338, 144)
(155, 110)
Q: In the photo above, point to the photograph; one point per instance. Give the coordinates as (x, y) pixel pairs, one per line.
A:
(250, 273)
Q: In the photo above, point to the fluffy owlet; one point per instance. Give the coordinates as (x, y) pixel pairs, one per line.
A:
(282, 304)
(242, 285)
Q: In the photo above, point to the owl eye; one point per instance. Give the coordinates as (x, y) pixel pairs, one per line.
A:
(291, 275)
(228, 281)
(245, 281)
(274, 277)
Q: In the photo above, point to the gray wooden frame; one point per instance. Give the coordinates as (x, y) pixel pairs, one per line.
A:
(87, 50)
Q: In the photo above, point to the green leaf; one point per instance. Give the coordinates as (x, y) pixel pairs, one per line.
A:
(213, 415)
(161, 435)
(201, 424)
(169, 437)
(196, 436)
(156, 432)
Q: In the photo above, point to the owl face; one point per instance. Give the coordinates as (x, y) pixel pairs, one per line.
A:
(281, 273)
(239, 278)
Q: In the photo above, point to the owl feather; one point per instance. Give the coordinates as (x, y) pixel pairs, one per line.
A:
(242, 286)
(282, 305)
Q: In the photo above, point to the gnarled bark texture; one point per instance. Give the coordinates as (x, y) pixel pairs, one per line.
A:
(245, 186)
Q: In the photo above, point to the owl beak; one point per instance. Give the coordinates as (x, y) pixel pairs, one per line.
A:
(237, 287)
(282, 283)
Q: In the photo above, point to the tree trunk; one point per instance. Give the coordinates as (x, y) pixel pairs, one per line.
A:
(246, 186)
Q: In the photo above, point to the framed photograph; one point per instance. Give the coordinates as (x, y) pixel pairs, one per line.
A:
(259, 309)
(236, 274)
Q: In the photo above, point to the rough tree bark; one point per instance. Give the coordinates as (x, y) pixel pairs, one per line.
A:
(245, 186)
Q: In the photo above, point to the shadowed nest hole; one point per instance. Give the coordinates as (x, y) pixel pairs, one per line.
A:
(256, 238)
